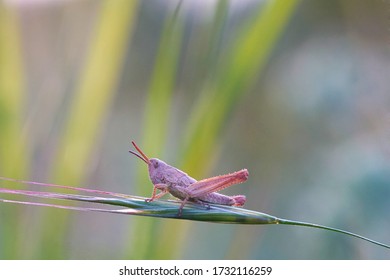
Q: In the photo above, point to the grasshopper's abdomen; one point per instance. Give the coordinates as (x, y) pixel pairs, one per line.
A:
(217, 198)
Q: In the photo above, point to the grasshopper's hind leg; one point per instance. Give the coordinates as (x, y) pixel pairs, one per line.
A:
(186, 199)
(201, 202)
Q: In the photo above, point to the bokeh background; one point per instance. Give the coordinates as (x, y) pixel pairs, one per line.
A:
(295, 91)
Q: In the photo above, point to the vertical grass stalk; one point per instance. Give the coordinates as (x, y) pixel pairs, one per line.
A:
(90, 106)
(13, 152)
(241, 65)
(156, 118)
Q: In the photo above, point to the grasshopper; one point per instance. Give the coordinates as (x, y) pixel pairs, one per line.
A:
(168, 179)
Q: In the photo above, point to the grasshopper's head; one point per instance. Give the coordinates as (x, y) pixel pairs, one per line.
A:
(157, 170)
(156, 167)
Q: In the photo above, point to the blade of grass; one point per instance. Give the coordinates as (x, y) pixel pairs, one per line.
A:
(169, 209)
(92, 101)
(160, 209)
(155, 125)
(13, 149)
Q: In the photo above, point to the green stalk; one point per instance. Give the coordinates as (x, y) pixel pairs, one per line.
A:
(14, 156)
(90, 106)
(239, 68)
(135, 205)
(304, 224)
(156, 115)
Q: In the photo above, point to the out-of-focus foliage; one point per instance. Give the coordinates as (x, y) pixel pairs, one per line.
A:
(294, 91)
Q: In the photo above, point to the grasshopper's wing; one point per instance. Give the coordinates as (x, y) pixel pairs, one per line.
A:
(217, 183)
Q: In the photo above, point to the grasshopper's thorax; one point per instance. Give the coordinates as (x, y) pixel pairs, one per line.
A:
(162, 173)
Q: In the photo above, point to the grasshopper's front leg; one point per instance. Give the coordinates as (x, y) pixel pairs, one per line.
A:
(163, 188)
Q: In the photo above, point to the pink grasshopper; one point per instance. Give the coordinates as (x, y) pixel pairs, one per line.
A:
(168, 179)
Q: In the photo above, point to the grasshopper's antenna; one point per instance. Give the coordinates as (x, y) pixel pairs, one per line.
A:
(137, 155)
(142, 156)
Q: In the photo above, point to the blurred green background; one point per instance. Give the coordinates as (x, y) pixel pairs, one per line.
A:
(295, 91)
